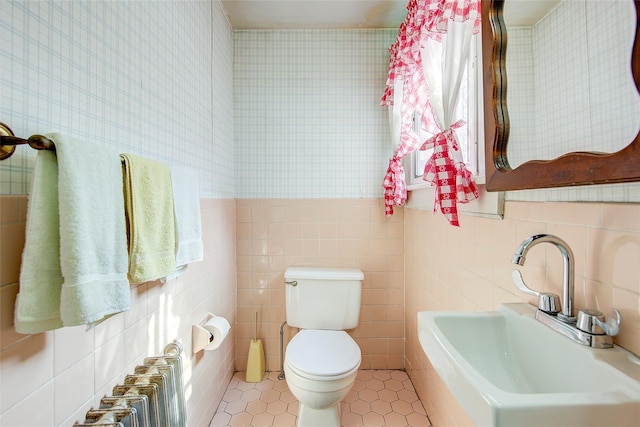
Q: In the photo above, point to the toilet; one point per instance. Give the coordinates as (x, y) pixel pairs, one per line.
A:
(322, 360)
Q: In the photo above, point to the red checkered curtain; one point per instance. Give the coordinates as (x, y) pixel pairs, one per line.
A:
(426, 66)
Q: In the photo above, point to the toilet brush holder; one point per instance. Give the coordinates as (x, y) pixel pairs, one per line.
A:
(255, 360)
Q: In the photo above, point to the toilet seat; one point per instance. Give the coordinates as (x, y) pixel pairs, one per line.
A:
(322, 353)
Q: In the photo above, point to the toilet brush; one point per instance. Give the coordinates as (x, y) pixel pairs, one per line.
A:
(255, 361)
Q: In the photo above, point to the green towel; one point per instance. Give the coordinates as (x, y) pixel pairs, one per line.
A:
(150, 218)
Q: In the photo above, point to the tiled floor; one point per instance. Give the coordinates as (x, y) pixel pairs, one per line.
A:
(378, 399)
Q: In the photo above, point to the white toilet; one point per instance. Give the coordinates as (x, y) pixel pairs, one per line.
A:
(322, 360)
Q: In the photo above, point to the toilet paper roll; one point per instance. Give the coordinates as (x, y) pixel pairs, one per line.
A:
(218, 328)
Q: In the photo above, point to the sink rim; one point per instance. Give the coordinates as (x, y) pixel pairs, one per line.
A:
(479, 396)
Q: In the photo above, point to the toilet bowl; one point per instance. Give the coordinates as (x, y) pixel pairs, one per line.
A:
(320, 369)
(322, 360)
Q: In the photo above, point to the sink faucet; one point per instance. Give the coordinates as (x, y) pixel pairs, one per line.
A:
(590, 327)
(566, 315)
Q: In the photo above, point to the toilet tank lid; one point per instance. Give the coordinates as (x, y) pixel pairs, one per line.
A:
(324, 273)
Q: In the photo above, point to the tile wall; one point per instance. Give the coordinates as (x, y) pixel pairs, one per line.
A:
(307, 111)
(153, 78)
(469, 269)
(112, 73)
(273, 234)
(312, 147)
(65, 372)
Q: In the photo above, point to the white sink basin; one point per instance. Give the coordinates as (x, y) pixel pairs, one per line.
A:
(508, 369)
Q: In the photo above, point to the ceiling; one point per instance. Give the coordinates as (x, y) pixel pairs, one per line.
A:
(315, 14)
(520, 13)
(342, 14)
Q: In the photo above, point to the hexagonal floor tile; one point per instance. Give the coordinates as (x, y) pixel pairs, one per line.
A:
(384, 398)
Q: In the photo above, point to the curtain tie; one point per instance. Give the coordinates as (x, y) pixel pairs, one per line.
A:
(395, 189)
(448, 174)
(446, 135)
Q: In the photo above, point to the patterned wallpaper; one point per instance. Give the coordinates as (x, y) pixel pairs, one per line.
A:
(150, 78)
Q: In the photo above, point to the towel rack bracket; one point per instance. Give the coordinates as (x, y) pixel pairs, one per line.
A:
(8, 142)
(6, 150)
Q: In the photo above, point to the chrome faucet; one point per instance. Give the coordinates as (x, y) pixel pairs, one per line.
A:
(566, 315)
(590, 329)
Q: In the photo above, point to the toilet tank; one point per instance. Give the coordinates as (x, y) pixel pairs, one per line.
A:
(323, 298)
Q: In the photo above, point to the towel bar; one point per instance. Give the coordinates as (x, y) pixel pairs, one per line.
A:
(8, 142)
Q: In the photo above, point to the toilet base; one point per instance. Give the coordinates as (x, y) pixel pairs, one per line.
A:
(327, 417)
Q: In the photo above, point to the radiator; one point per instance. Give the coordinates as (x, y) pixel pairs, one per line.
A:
(151, 396)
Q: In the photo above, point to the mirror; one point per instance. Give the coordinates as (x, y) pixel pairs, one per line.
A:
(582, 166)
(570, 83)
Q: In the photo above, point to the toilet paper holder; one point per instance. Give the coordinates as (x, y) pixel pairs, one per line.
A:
(202, 338)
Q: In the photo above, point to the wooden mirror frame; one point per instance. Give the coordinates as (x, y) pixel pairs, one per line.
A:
(576, 168)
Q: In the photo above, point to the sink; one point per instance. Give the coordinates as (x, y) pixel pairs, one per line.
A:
(505, 368)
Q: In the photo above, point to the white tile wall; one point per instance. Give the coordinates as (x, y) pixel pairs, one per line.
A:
(308, 118)
(153, 78)
(146, 77)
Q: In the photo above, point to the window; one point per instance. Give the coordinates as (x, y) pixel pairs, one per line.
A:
(470, 136)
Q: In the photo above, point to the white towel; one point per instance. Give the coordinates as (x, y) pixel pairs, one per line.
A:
(186, 206)
(38, 302)
(74, 266)
(93, 237)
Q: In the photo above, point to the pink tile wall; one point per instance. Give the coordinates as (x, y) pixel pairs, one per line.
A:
(275, 234)
(445, 269)
(53, 378)
(468, 269)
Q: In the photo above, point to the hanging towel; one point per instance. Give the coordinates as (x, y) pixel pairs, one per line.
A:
(93, 242)
(89, 249)
(38, 302)
(186, 208)
(150, 219)
(186, 202)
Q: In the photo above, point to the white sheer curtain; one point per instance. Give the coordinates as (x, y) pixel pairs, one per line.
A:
(427, 63)
(444, 62)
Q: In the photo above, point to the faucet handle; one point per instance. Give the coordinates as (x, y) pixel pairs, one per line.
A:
(519, 282)
(547, 302)
(592, 321)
